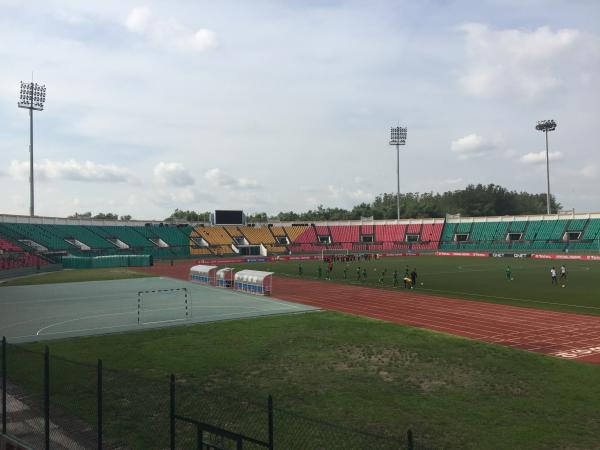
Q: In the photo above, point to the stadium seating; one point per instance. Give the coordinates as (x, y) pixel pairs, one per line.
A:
(13, 257)
(220, 250)
(322, 230)
(344, 233)
(257, 235)
(276, 249)
(7, 246)
(37, 234)
(295, 231)
(213, 235)
(536, 234)
(308, 236)
(390, 233)
(277, 231)
(367, 229)
(194, 250)
(233, 231)
(592, 231)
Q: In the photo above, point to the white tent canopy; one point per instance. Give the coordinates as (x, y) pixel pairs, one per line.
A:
(203, 274)
(201, 269)
(252, 276)
(254, 282)
(225, 273)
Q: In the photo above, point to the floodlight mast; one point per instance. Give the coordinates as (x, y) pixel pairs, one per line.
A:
(545, 126)
(398, 138)
(32, 97)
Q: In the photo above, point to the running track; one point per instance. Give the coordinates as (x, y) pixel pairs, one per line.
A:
(565, 335)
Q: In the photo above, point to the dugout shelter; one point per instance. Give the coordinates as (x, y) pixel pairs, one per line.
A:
(254, 282)
(202, 274)
(225, 277)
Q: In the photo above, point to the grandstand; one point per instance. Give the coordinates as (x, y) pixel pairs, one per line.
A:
(34, 241)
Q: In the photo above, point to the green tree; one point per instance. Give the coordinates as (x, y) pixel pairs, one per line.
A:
(188, 216)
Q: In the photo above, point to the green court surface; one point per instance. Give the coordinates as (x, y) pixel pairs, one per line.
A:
(52, 311)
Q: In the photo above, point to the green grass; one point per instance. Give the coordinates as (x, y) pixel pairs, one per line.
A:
(361, 373)
(472, 278)
(75, 275)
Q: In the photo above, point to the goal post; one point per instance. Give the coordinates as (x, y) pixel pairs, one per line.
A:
(163, 305)
(334, 252)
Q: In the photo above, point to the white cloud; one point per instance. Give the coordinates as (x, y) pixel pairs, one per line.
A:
(540, 157)
(471, 145)
(348, 197)
(589, 171)
(221, 179)
(169, 32)
(524, 62)
(71, 170)
(453, 181)
(173, 174)
(137, 20)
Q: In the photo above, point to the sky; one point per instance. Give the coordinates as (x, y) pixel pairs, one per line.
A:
(286, 105)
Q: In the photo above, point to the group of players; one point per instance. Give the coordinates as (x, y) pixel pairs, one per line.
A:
(553, 274)
(409, 281)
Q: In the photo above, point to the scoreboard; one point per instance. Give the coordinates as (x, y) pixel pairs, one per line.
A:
(229, 217)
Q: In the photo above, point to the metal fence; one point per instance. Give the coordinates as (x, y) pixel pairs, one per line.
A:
(49, 402)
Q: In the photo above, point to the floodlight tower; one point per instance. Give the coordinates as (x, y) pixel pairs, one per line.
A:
(32, 97)
(398, 138)
(545, 126)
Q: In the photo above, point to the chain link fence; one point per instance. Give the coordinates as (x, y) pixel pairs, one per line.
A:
(49, 402)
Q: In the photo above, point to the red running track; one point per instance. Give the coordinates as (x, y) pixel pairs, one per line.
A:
(565, 335)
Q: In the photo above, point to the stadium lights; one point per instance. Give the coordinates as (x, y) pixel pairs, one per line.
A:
(545, 126)
(398, 138)
(32, 97)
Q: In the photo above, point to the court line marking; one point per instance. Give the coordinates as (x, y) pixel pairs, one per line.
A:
(96, 316)
(134, 327)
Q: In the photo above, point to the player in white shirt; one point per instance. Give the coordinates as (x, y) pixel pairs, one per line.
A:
(553, 275)
(563, 272)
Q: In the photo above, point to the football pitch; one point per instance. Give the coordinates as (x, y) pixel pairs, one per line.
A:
(477, 278)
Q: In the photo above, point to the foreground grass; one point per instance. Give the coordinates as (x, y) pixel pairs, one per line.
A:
(385, 378)
(482, 279)
(75, 275)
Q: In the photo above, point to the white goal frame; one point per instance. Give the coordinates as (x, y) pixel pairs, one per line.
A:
(187, 305)
(337, 251)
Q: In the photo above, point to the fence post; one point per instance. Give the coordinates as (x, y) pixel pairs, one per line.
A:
(409, 440)
(99, 404)
(172, 411)
(270, 406)
(47, 399)
(4, 372)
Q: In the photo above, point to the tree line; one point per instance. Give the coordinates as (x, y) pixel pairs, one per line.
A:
(474, 200)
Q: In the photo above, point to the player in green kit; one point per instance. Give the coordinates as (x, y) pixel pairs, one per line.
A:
(395, 278)
(300, 269)
(358, 273)
(508, 273)
(364, 274)
(320, 271)
(346, 272)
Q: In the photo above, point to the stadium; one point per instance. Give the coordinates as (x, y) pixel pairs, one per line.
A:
(453, 313)
(461, 291)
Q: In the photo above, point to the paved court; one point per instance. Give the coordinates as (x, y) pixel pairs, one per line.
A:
(52, 311)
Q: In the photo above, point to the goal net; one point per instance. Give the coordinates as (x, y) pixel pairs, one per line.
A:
(163, 305)
(334, 252)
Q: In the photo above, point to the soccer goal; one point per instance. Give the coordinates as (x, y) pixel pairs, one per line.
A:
(334, 252)
(163, 305)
